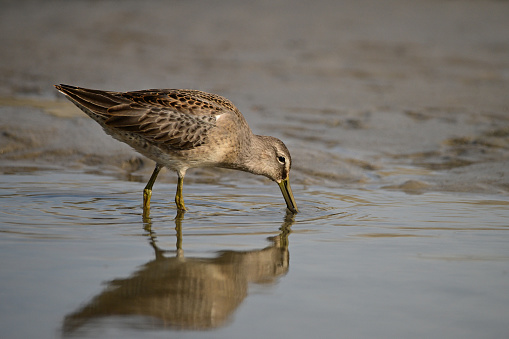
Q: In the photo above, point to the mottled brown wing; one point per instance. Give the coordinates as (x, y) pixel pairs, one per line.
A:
(178, 119)
(183, 100)
(163, 126)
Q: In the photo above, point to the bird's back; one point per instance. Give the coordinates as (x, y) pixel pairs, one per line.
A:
(172, 118)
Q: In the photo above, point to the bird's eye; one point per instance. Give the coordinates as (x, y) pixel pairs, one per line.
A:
(281, 159)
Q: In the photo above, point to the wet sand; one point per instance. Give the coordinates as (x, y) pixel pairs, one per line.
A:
(400, 96)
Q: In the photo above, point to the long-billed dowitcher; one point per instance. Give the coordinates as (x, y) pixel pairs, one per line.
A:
(181, 129)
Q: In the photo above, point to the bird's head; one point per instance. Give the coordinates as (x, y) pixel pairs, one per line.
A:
(274, 162)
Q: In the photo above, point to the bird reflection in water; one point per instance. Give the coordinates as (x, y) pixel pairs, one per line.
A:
(185, 293)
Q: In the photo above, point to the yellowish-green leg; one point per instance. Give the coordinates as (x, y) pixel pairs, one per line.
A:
(179, 199)
(178, 228)
(147, 192)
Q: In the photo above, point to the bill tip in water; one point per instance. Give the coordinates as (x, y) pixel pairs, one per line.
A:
(284, 185)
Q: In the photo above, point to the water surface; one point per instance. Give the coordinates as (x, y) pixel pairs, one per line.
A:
(79, 260)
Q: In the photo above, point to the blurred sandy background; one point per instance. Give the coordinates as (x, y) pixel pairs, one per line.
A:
(393, 94)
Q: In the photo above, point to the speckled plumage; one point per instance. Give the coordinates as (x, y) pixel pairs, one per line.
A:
(181, 129)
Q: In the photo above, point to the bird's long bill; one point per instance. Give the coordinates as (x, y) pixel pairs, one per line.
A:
(284, 185)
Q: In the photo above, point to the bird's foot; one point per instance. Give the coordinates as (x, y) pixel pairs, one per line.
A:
(179, 200)
(147, 194)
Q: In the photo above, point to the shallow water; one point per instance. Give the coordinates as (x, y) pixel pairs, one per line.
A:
(78, 260)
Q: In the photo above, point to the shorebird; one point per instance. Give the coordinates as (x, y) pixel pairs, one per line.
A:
(181, 129)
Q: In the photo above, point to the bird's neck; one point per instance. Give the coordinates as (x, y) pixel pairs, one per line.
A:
(251, 159)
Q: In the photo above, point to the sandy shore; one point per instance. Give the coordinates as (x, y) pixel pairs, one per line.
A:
(393, 94)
